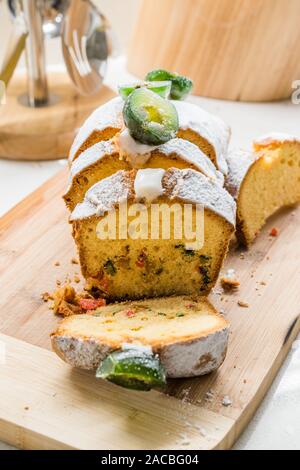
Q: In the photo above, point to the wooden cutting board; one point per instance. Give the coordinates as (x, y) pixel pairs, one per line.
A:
(47, 405)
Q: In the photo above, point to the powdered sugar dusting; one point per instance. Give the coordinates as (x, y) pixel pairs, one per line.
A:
(107, 115)
(193, 187)
(190, 153)
(91, 156)
(104, 196)
(213, 129)
(188, 185)
(239, 162)
(272, 137)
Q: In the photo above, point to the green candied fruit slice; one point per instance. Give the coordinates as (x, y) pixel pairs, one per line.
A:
(126, 90)
(181, 85)
(133, 368)
(163, 88)
(150, 119)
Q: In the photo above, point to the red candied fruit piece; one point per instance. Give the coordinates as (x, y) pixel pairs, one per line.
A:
(91, 304)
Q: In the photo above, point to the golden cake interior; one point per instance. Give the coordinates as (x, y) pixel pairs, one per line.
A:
(124, 269)
(154, 322)
(271, 183)
(201, 142)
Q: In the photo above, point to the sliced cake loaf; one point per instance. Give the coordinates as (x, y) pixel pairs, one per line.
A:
(187, 333)
(124, 153)
(263, 181)
(203, 129)
(135, 268)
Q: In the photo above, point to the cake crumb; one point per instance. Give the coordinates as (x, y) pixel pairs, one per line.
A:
(76, 279)
(229, 281)
(58, 282)
(66, 301)
(274, 232)
(26, 408)
(57, 263)
(226, 401)
(209, 395)
(74, 261)
(263, 283)
(241, 303)
(46, 296)
(185, 394)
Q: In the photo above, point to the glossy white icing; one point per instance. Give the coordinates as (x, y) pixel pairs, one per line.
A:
(136, 153)
(148, 184)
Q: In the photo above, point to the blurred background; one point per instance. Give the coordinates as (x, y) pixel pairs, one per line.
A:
(121, 13)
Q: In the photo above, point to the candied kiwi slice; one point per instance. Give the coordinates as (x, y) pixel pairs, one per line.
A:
(150, 119)
(162, 88)
(181, 85)
(133, 368)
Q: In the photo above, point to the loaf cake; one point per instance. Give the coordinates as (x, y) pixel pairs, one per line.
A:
(187, 333)
(123, 153)
(205, 130)
(263, 181)
(132, 269)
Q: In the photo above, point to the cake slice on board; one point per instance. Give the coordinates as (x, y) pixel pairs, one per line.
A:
(263, 181)
(187, 334)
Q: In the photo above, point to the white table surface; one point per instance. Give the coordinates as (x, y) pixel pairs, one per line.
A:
(276, 424)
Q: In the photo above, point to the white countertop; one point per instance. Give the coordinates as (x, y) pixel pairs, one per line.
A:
(276, 424)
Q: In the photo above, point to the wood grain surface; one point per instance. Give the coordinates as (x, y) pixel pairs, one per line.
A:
(63, 403)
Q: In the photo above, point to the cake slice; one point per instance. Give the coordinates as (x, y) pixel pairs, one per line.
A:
(263, 181)
(124, 153)
(132, 267)
(187, 333)
(205, 130)
(102, 124)
(198, 126)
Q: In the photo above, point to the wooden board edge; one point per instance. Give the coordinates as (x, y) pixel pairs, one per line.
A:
(25, 439)
(29, 427)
